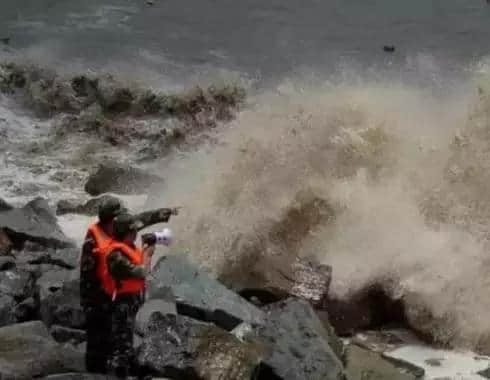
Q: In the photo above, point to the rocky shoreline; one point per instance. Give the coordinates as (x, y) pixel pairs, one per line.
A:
(191, 327)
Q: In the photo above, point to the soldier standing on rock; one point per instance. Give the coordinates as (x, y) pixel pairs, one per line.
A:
(127, 267)
(95, 302)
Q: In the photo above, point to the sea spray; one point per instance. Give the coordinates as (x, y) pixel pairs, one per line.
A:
(375, 153)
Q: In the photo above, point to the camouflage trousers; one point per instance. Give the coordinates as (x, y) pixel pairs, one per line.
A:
(122, 361)
(98, 329)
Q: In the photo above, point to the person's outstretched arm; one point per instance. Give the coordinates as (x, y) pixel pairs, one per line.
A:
(161, 215)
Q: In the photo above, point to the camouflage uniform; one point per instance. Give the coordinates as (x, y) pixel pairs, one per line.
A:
(97, 305)
(122, 361)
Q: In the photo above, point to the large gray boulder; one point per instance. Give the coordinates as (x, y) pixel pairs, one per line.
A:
(164, 307)
(34, 222)
(91, 207)
(200, 296)
(272, 279)
(301, 347)
(16, 283)
(59, 297)
(121, 179)
(28, 351)
(47, 260)
(178, 347)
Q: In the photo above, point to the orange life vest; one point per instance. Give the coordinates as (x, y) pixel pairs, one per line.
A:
(109, 284)
(102, 240)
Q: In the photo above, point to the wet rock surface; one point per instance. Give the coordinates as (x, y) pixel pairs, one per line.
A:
(363, 364)
(91, 207)
(34, 222)
(63, 334)
(302, 278)
(300, 344)
(16, 283)
(145, 313)
(181, 348)
(120, 179)
(28, 351)
(59, 298)
(198, 295)
(7, 304)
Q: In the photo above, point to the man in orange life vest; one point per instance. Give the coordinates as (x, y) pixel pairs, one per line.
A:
(123, 272)
(95, 302)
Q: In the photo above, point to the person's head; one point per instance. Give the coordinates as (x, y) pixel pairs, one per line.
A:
(126, 228)
(108, 210)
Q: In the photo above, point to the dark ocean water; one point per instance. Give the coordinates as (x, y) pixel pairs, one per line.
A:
(260, 38)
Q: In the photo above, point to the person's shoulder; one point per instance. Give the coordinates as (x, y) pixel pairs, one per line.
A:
(89, 239)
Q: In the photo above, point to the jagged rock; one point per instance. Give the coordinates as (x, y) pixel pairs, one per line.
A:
(23, 260)
(16, 283)
(64, 258)
(40, 262)
(121, 179)
(300, 344)
(34, 222)
(6, 244)
(181, 348)
(164, 307)
(30, 246)
(63, 334)
(28, 351)
(200, 296)
(303, 278)
(7, 317)
(59, 297)
(91, 207)
(367, 365)
(6, 263)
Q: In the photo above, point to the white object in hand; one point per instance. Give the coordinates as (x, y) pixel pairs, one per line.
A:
(164, 237)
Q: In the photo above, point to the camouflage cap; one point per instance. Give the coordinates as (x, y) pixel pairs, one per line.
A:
(125, 223)
(109, 209)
